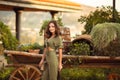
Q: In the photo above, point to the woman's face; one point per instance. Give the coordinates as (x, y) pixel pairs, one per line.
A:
(52, 28)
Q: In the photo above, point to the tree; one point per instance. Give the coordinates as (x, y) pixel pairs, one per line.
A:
(100, 15)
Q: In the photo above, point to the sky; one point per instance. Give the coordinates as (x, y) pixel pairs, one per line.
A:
(95, 3)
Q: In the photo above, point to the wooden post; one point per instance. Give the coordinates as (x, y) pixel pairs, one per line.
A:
(113, 16)
(53, 14)
(18, 22)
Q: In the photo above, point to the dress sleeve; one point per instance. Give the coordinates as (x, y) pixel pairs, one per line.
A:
(60, 42)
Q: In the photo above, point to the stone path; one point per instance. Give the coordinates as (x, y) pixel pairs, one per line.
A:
(3, 61)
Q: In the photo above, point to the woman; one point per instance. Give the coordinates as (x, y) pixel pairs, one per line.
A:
(52, 43)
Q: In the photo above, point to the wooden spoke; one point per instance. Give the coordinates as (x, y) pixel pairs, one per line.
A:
(32, 75)
(26, 72)
(38, 78)
(15, 78)
(21, 74)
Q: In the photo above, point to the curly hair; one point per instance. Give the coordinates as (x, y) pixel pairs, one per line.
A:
(48, 34)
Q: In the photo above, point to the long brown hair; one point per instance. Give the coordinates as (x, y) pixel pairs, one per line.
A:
(48, 34)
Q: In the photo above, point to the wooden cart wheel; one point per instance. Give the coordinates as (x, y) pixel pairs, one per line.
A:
(26, 72)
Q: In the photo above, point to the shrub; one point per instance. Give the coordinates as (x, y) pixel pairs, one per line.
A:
(80, 48)
(106, 38)
(5, 73)
(9, 41)
(76, 73)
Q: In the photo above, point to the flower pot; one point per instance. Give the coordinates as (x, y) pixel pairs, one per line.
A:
(34, 51)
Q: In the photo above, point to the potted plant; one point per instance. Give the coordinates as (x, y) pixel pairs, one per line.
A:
(35, 48)
(32, 48)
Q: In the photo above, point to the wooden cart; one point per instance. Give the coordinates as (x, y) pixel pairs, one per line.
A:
(26, 65)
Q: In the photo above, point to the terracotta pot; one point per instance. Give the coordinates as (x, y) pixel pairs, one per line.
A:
(34, 51)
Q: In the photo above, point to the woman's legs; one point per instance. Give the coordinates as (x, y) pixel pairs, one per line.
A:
(53, 71)
(45, 75)
(52, 62)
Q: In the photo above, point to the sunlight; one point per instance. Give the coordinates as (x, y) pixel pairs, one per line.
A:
(96, 3)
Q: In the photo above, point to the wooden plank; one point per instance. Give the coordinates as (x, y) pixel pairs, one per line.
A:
(22, 53)
(100, 59)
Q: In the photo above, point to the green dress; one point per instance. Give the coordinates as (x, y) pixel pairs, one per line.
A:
(51, 68)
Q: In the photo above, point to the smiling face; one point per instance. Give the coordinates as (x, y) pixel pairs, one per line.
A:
(52, 28)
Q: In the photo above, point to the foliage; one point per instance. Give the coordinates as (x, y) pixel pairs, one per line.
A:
(9, 41)
(45, 23)
(72, 61)
(103, 34)
(77, 49)
(26, 47)
(59, 21)
(1, 49)
(76, 73)
(106, 38)
(5, 73)
(80, 48)
(100, 15)
(36, 46)
(113, 49)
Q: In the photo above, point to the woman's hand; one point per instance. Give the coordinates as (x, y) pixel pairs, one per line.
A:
(60, 67)
(41, 63)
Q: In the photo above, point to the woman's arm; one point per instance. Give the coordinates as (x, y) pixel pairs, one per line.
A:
(60, 59)
(43, 57)
(60, 53)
